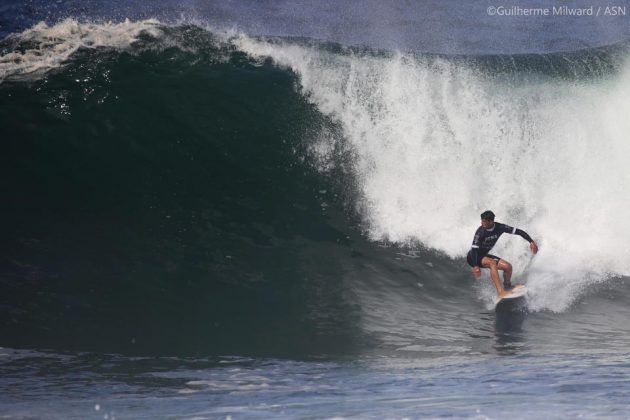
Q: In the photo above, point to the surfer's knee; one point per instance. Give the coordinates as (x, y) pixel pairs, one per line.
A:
(489, 262)
(505, 266)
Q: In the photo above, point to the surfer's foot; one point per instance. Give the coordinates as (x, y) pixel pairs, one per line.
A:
(507, 285)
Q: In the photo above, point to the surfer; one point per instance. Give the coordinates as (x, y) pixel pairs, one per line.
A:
(479, 255)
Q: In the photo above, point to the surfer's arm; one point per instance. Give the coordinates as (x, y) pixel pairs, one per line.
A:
(475, 255)
(528, 238)
(523, 235)
(515, 231)
(476, 260)
(474, 250)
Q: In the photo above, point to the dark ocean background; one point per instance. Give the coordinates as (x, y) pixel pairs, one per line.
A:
(219, 210)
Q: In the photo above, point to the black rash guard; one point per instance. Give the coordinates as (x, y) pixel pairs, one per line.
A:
(486, 238)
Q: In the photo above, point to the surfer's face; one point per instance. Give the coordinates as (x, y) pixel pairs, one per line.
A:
(487, 224)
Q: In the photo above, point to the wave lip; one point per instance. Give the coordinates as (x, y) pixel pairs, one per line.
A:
(42, 48)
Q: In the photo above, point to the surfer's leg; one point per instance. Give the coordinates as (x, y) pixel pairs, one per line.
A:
(506, 267)
(492, 263)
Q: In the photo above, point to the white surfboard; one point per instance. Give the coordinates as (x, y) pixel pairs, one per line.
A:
(518, 291)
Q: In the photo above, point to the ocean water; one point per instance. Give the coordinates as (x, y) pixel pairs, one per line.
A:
(262, 210)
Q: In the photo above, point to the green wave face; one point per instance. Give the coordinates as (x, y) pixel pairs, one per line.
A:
(161, 201)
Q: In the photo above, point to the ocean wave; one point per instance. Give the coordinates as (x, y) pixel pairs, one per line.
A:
(320, 194)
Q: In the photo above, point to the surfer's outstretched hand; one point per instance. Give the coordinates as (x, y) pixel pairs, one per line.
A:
(533, 247)
(476, 272)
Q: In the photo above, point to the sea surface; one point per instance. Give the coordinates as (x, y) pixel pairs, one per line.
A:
(247, 209)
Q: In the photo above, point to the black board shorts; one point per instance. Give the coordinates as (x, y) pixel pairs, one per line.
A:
(472, 264)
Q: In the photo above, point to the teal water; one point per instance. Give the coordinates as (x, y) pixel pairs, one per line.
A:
(157, 192)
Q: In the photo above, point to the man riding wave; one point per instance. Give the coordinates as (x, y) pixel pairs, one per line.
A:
(479, 255)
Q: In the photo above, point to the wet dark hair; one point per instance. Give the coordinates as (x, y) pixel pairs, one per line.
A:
(487, 215)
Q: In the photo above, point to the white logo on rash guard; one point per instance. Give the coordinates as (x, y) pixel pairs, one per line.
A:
(491, 238)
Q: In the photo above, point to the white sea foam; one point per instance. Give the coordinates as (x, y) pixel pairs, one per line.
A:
(436, 143)
(49, 47)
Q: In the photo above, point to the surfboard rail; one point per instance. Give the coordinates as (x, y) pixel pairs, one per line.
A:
(517, 291)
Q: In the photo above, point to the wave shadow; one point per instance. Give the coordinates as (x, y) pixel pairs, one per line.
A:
(508, 326)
